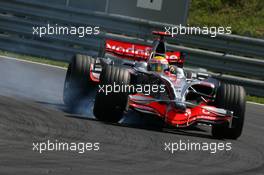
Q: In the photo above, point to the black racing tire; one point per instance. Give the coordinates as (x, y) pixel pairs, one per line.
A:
(110, 107)
(77, 81)
(230, 97)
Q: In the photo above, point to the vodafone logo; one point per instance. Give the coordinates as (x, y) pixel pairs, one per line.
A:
(135, 50)
(128, 49)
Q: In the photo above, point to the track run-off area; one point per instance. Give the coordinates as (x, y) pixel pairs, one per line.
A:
(32, 111)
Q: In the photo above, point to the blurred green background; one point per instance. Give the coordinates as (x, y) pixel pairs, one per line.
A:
(246, 17)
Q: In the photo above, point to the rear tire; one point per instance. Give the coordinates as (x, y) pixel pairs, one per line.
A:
(230, 97)
(110, 107)
(77, 82)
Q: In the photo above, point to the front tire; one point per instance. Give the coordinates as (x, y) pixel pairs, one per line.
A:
(233, 98)
(77, 82)
(110, 107)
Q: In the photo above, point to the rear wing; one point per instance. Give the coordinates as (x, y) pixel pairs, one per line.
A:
(138, 52)
(128, 50)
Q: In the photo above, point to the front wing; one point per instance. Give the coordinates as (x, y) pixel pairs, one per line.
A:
(193, 114)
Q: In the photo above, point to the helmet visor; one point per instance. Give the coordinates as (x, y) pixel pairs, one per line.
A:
(158, 67)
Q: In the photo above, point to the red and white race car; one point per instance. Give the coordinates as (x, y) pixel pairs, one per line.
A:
(123, 82)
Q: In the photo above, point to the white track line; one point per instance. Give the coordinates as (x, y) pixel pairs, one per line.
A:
(58, 67)
(32, 62)
(254, 103)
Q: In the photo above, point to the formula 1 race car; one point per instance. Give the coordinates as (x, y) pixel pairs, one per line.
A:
(123, 81)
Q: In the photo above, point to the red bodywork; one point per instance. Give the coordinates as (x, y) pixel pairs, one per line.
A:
(199, 114)
(146, 104)
(137, 52)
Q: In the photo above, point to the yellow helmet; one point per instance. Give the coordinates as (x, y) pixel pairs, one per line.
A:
(158, 64)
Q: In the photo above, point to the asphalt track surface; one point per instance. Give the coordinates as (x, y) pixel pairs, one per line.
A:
(31, 110)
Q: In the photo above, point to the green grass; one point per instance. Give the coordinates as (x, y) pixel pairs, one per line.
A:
(255, 99)
(246, 17)
(34, 59)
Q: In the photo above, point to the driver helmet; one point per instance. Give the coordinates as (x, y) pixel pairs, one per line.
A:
(158, 64)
